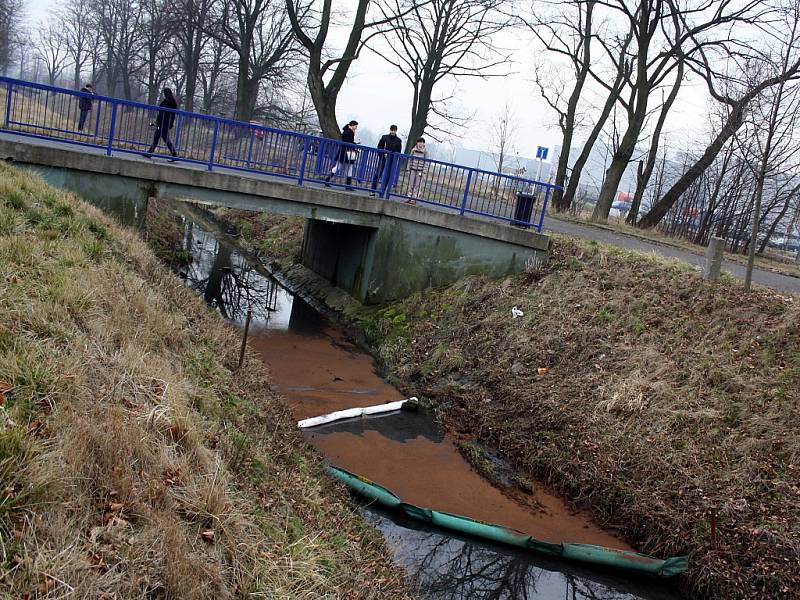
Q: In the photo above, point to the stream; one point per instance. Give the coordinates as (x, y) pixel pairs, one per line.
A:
(318, 371)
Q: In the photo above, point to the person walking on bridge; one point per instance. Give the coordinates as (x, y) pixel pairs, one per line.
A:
(84, 105)
(346, 156)
(163, 123)
(392, 143)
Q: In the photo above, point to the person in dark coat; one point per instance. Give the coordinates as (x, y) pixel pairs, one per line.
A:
(346, 156)
(164, 122)
(84, 105)
(392, 143)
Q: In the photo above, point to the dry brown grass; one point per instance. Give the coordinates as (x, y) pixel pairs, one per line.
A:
(135, 462)
(667, 400)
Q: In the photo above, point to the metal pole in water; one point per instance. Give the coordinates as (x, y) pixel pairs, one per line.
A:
(244, 337)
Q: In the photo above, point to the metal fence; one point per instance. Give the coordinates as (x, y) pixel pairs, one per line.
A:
(120, 126)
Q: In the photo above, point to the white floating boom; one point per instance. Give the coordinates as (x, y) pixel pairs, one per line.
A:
(352, 413)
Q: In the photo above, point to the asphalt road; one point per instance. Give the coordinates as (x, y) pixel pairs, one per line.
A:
(776, 281)
(781, 283)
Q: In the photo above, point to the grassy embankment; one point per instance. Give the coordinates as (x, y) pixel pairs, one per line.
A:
(667, 402)
(772, 260)
(135, 461)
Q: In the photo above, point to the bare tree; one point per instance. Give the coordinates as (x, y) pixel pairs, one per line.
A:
(622, 69)
(504, 129)
(120, 28)
(260, 35)
(11, 12)
(211, 73)
(158, 27)
(735, 93)
(771, 143)
(311, 25)
(79, 31)
(190, 41)
(665, 32)
(645, 169)
(436, 40)
(51, 48)
(567, 33)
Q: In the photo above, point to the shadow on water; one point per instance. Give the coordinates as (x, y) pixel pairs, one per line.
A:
(318, 371)
(231, 283)
(447, 566)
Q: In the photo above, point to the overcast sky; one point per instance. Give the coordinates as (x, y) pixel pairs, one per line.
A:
(377, 97)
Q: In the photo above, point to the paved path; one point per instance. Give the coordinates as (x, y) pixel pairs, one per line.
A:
(783, 283)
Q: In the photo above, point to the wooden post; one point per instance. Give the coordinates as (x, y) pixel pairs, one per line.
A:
(714, 528)
(713, 266)
(244, 337)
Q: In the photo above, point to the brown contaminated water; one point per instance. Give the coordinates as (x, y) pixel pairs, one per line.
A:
(320, 373)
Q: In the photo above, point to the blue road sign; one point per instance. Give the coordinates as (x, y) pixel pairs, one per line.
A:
(541, 153)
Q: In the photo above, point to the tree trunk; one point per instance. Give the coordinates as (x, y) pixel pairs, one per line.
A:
(751, 250)
(246, 88)
(561, 202)
(644, 175)
(621, 159)
(419, 114)
(325, 105)
(734, 122)
(583, 157)
(191, 85)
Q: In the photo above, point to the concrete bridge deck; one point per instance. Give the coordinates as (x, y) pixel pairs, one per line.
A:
(374, 248)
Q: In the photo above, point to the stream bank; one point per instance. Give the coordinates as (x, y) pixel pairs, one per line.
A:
(668, 406)
(318, 370)
(134, 457)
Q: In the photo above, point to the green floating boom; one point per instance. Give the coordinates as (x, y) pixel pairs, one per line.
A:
(588, 553)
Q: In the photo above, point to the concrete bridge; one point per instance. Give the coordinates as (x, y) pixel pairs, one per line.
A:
(375, 249)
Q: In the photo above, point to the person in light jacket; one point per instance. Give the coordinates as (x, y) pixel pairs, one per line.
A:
(84, 105)
(417, 169)
(346, 156)
(163, 123)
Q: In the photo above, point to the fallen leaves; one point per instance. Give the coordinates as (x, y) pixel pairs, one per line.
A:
(208, 536)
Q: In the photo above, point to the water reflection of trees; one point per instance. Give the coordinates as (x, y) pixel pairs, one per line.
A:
(452, 569)
(225, 278)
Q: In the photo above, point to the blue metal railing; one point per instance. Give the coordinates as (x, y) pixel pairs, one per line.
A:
(121, 126)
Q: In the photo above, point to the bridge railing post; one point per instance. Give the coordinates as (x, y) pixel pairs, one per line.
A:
(539, 225)
(178, 123)
(8, 103)
(213, 146)
(111, 128)
(303, 161)
(390, 174)
(386, 176)
(466, 192)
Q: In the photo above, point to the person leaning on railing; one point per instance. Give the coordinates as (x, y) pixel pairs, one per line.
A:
(417, 169)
